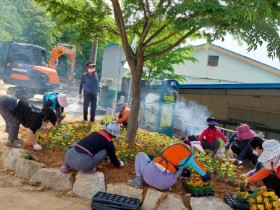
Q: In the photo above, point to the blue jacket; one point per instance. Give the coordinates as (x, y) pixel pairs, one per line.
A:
(89, 84)
(243, 145)
(53, 97)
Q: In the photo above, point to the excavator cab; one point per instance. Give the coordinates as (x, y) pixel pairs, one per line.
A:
(25, 67)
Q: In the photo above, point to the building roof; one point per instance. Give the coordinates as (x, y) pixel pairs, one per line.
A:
(231, 86)
(239, 57)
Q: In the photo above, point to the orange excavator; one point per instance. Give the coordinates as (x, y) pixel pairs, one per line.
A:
(26, 68)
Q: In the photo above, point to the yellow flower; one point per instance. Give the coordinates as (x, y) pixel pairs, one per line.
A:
(259, 199)
(260, 207)
(275, 198)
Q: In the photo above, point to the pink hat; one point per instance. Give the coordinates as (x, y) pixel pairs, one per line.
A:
(244, 132)
(62, 100)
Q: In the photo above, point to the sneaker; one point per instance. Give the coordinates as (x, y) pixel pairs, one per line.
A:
(64, 169)
(85, 121)
(13, 145)
(134, 184)
(18, 141)
(88, 171)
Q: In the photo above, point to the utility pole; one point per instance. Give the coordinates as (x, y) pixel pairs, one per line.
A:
(93, 51)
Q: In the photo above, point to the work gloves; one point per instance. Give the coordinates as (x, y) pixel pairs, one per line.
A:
(206, 177)
(186, 173)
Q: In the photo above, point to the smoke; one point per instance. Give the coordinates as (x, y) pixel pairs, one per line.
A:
(192, 117)
(151, 97)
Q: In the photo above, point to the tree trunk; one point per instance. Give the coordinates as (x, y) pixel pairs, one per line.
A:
(93, 51)
(135, 104)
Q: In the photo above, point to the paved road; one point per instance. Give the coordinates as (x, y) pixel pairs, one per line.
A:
(15, 194)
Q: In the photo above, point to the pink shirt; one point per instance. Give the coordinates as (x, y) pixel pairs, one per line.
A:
(212, 135)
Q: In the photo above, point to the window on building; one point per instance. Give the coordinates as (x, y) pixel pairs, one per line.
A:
(213, 60)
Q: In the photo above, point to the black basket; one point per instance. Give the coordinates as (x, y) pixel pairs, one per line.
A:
(196, 194)
(235, 204)
(107, 201)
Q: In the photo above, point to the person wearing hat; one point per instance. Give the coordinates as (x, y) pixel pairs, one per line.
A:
(209, 138)
(124, 113)
(90, 86)
(242, 149)
(270, 173)
(91, 150)
(18, 112)
(56, 101)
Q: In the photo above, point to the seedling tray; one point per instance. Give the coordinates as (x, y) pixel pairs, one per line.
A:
(196, 194)
(108, 201)
(235, 204)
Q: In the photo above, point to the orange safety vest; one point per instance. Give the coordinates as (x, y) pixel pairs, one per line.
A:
(174, 156)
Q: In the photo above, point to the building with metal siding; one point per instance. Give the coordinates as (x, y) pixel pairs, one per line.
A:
(235, 89)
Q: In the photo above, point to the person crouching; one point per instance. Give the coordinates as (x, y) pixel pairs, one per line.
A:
(91, 150)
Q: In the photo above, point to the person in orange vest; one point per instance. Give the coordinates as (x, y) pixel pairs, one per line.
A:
(163, 171)
(124, 113)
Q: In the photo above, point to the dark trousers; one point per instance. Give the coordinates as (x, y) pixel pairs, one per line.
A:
(89, 99)
(7, 105)
(273, 183)
(213, 147)
(249, 154)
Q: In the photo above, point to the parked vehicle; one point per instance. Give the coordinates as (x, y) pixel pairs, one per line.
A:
(25, 67)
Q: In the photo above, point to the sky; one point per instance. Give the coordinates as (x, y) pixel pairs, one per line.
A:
(260, 54)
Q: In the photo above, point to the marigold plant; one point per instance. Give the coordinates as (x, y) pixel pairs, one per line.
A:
(261, 199)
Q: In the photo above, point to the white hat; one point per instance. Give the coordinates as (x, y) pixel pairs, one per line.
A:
(271, 149)
(113, 128)
(62, 100)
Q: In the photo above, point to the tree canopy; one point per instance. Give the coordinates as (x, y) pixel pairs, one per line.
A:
(165, 25)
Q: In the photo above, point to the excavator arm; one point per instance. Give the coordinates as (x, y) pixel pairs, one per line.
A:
(63, 49)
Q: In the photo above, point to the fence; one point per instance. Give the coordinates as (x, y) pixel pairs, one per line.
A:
(180, 130)
(149, 115)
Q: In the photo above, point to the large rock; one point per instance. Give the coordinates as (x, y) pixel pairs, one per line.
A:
(125, 190)
(87, 185)
(151, 199)
(53, 178)
(10, 156)
(209, 203)
(171, 202)
(26, 168)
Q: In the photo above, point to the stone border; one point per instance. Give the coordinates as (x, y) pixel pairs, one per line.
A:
(85, 185)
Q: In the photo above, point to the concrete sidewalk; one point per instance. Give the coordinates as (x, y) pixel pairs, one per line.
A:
(20, 199)
(16, 194)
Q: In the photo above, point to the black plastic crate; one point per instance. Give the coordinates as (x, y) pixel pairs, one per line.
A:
(196, 194)
(108, 201)
(235, 204)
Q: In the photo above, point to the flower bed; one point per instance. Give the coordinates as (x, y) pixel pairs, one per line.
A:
(220, 168)
(64, 135)
(260, 199)
(197, 187)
